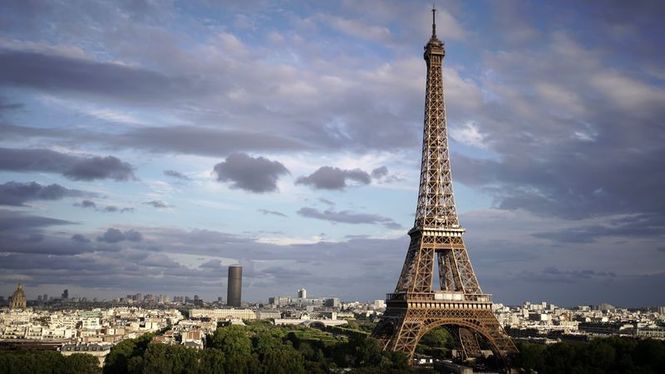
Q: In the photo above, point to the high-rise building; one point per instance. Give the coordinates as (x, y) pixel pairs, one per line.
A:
(65, 294)
(302, 293)
(233, 295)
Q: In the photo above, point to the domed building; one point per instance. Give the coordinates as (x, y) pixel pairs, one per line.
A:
(18, 300)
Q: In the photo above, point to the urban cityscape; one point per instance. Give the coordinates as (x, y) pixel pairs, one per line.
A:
(192, 187)
(78, 325)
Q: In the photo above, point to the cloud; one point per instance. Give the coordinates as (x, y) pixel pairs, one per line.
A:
(468, 134)
(108, 209)
(200, 140)
(379, 172)
(176, 174)
(80, 238)
(113, 208)
(326, 201)
(554, 274)
(256, 175)
(333, 178)
(213, 264)
(267, 212)
(52, 72)
(346, 216)
(113, 235)
(72, 167)
(357, 28)
(158, 204)
(573, 165)
(86, 204)
(12, 221)
(17, 194)
(623, 226)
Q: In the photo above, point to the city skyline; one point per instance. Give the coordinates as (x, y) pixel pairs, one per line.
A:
(145, 148)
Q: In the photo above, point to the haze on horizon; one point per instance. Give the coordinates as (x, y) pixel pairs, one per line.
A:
(147, 145)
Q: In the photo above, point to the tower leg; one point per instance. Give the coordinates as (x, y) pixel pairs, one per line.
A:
(469, 343)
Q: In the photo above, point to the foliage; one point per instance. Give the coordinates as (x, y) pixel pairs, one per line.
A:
(231, 339)
(608, 355)
(37, 362)
(127, 356)
(256, 348)
(436, 343)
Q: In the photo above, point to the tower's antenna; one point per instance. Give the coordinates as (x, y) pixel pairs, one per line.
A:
(433, 21)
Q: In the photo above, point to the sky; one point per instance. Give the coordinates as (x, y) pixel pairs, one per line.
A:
(147, 145)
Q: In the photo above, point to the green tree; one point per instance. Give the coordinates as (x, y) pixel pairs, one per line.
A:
(135, 365)
(79, 363)
(117, 361)
(436, 343)
(366, 351)
(282, 359)
(212, 362)
(530, 357)
(177, 359)
(231, 339)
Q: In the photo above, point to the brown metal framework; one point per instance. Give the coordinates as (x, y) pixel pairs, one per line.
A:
(416, 307)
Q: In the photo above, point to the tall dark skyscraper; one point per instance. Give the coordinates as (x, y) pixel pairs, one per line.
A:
(233, 295)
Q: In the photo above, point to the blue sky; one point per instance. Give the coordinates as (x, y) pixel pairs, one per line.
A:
(147, 145)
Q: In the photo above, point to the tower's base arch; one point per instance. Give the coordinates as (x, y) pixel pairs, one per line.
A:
(401, 330)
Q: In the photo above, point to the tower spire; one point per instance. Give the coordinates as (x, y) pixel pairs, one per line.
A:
(433, 21)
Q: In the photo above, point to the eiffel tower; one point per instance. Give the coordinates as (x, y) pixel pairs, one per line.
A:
(459, 304)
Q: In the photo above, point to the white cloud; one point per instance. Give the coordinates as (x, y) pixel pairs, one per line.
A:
(469, 134)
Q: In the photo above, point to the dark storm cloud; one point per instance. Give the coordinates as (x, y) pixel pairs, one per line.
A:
(554, 274)
(631, 226)
(6, 105)
(70, 166)
(108, 167)
(80, 238)
(202, 140)
(17, 194)
(52, 72)
(345, 216)
(257, 175)
(157, 204)
(113, 235)
(333, 178)
(176, 174)
(15, 221)
(267, 212)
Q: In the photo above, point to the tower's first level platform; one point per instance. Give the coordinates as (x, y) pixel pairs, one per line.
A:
(439, 300)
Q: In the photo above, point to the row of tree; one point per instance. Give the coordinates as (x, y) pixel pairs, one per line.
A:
(258, 348)
(43, 362)
(608, 355)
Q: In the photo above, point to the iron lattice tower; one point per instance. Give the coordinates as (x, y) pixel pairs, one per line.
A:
(458, 303)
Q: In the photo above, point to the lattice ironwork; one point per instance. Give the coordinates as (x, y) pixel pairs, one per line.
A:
(416, 307)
